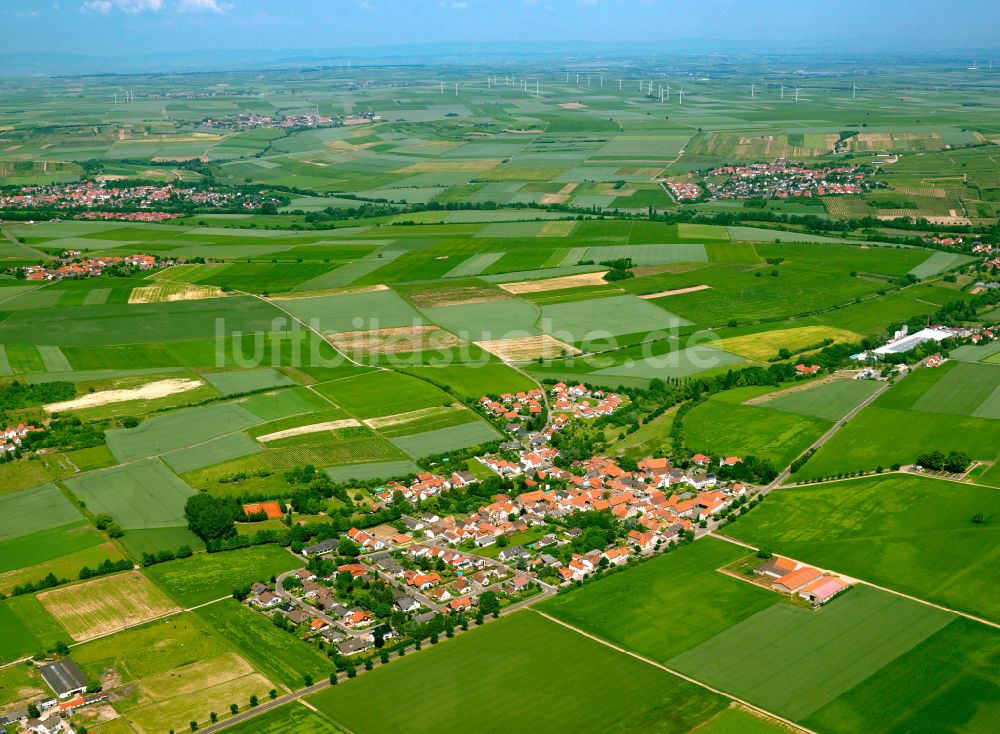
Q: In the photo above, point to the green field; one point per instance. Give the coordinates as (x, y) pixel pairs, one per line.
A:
(151, 540)
(44, 545)
(28, 629)
(794, 661)
(737, 720)
(443, 440)
(830, 401)
(894, 531)
(593, 320)
(177, 430)
(141, 495)
(376, 394)
(215, 451)
(921, 409)
(964, 389)
(640, 609)
(470, 381)
(378, 470)
(205, 577)
(282, 657)
(229, 383)
(722, 425)
(946, 683)
(33, 510)
(292, 717)
(451, 678)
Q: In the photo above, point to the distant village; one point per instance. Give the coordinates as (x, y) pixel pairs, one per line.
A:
(776, 180)
(250, 121)
(780, 180)
(72, 265)
(10, 437)
(105, 195)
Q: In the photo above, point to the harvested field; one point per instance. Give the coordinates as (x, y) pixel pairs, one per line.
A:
(106, 604)
(457, 293)
(165, 292)
(395, 420)
(527, 348)
(151, 391)
(313, 428)
(560, 197)
(676, 292)
(394, 340)
(556, 284)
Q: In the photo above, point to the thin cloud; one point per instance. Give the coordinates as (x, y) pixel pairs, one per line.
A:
(203, 6)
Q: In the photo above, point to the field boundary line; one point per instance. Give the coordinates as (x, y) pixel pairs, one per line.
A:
(324, 715)
(299, 321)
(863, 582)
(17, 243)
(689, 679)
(887, 473)
(157, 618)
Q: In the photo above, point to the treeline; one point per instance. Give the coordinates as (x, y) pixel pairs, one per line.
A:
(151, 559)
(955, 462)
(67, 433)
(51, 580)
(17, 394)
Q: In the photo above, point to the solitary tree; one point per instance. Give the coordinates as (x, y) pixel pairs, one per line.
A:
(213, 717)
(233, 708)
(253, 700)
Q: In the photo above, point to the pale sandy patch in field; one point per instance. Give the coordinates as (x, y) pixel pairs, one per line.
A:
(151, 391)
(524, 349)
(395, 420)
(394, 340)
(676, 292)
(312, 428)
(556, 229)
(573, 105)
(168, 292)
(561, 196)
(105, 605)
(556, 284)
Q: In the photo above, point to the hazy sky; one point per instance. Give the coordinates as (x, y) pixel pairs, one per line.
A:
(109, 27)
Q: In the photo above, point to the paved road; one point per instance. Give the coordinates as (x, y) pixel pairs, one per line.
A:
(17, 243)
(836, 427)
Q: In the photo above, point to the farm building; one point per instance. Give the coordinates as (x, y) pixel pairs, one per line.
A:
(800, 577)
(824, 589)
(64, 677)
